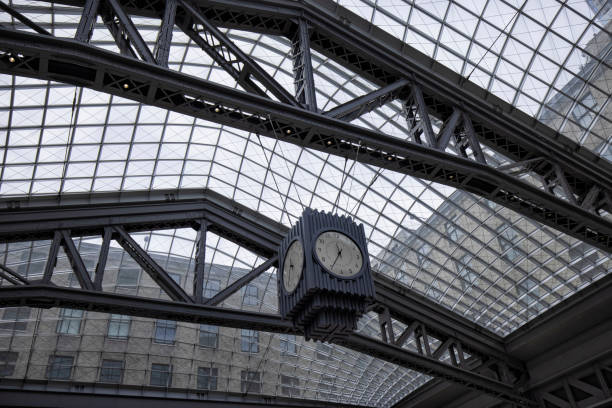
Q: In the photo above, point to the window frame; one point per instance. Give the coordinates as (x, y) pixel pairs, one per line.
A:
(209, 334)
(51, 367)
(249, 340)
(121, 362)
(168, 372)
(121, 321)
(211, 378)
(162, 324)
(66, 321)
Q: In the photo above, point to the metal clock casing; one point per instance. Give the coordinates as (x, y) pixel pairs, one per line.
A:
(325, 304)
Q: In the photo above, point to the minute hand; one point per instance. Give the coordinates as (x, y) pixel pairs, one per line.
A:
(335, 260)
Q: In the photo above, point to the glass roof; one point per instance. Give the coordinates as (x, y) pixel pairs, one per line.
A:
(499, 269)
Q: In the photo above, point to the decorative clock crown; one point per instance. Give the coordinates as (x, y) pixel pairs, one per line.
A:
(335, 285)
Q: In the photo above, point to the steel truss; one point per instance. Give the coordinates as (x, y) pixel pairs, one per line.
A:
(467, 355)
(549, 178)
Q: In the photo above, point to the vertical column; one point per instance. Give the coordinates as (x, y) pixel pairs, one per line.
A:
(198, 278)
(87, 22)
(164, 38)
(52, 259)
(302, 67)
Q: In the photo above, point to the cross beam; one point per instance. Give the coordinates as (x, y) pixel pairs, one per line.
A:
(63, 60)
(100, 213)
(383, 59)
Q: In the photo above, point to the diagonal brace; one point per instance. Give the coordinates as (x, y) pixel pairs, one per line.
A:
(151, 267)
(227, 292)
(23, 19)
(250, 66)
(14, 274)
(78, 267)
(135, 37)
(367, 103)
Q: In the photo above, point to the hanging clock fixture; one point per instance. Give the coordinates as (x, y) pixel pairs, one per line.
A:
(324, 277)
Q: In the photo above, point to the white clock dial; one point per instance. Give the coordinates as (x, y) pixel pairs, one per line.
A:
(293, 266)
(338, 253)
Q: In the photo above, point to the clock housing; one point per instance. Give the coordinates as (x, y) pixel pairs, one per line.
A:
(327, 300)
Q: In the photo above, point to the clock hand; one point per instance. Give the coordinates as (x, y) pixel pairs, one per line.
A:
(337, 256)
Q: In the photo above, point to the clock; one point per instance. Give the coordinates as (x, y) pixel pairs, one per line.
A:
(324, 279)
(338, 254)
(293, 265)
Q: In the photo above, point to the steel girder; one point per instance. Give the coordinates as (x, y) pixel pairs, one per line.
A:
(477, 357)
(470, 117)
(63, 60)
(53, 394)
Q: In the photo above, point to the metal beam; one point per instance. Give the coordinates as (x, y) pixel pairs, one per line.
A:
(53, 394)
(23, 19)
(200, 261)
(14, 274)
(78, 267)
(231, 289)
(370, 51)
(134, 36)
(90, 214)
(303, 76)
(367, 103)
(88, 21)
(164, 38)
(51, 296)
(62, 60)
(219, 46)
(165, 282)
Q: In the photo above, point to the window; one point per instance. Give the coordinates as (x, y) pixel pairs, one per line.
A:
(422, 253)
(435, 290)
(211, 288)
(69, 321)
(583, 112)
(207, 378)
(111, 371)
(251, 295)
(324, 351)
(119, 326)
(15, 318)
(250, 341)
(327, 389)
(468, 277)
(209, 336)
(8, 359)
(529, 289)
(452, 232)
(128, 277)
(250, 381)
(290, 386)
(60, 367)
(287, 344)
(165, 331)
(506, 239)
(161, 375)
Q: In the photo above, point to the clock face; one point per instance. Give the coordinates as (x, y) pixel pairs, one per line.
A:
(293, 266)
(339, 254)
